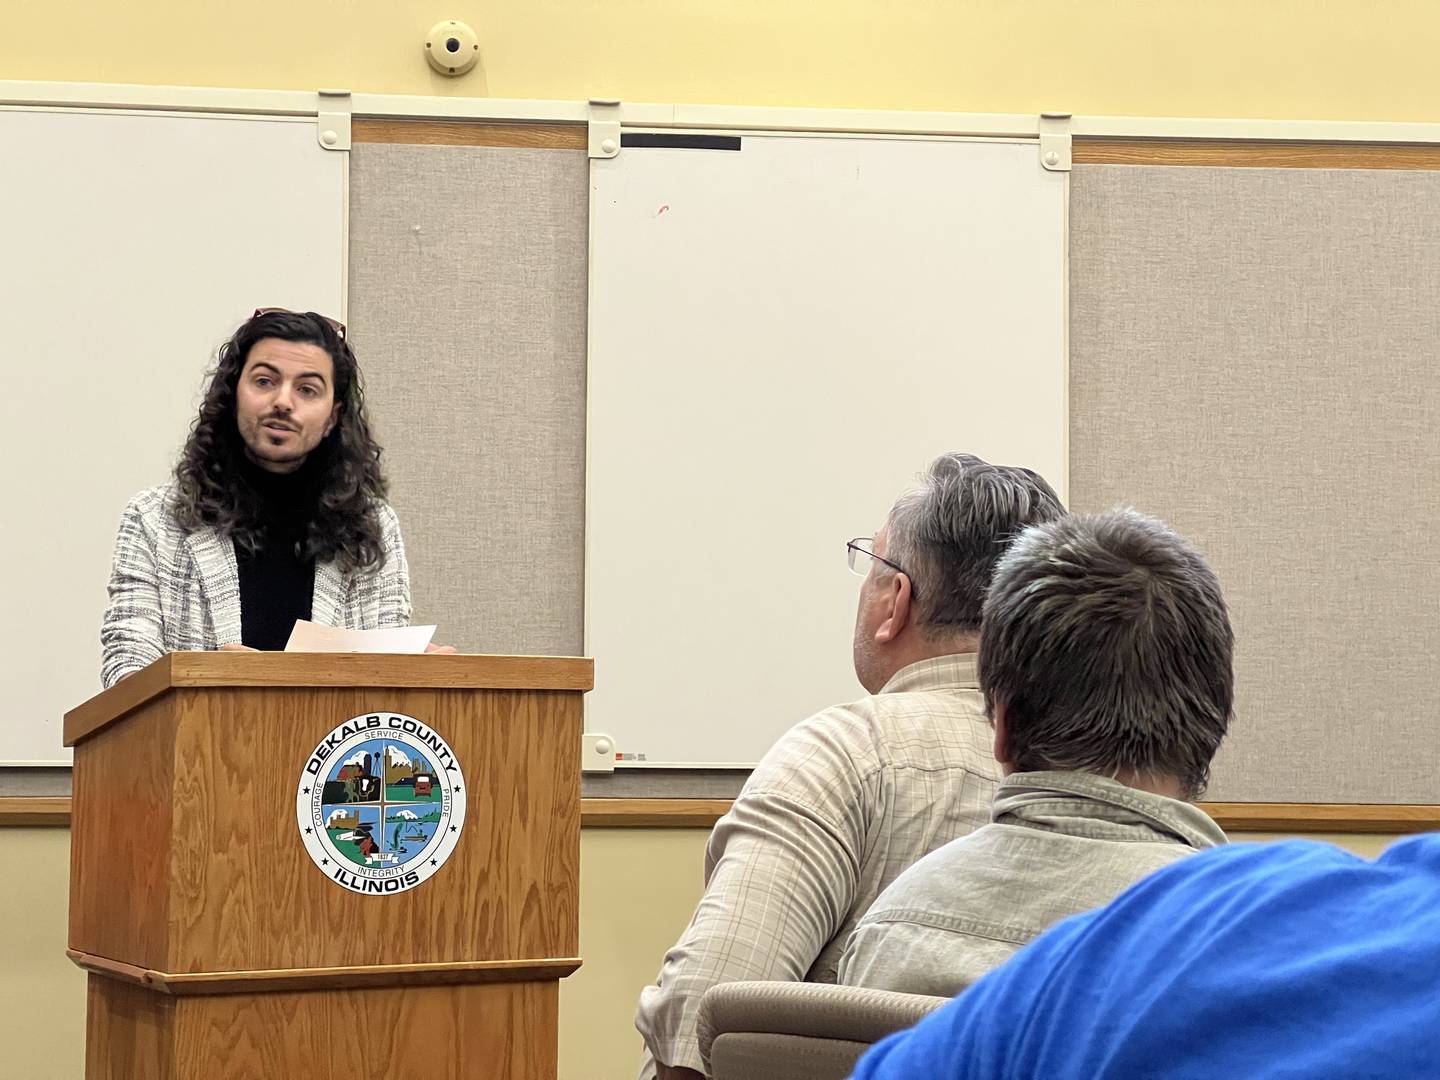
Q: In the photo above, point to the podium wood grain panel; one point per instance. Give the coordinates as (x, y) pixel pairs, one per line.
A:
(499, 1032)
(219, 949)
(119, 851)
(128, 1032)
(120, 700)
(352, 978)
(517, 860)
(466, 671)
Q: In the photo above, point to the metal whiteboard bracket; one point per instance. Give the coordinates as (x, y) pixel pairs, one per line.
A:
(604, 127)
(1055, 141)
(597, 753)
(332, 120)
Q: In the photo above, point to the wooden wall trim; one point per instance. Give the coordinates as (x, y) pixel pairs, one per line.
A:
(1254, 154)
(651, 813)
(703, 813)
(530, 136)
(1324, 817)
(1233, 817)
(35, 810)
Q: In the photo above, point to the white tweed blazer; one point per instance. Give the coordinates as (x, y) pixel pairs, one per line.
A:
(171, 590)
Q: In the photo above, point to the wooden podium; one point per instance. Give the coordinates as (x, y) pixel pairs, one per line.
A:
(217, 944)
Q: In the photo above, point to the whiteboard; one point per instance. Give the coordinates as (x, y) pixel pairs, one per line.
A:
(131, 246)
(781, 337)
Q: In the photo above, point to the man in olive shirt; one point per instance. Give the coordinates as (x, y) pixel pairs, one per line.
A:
(1105, 661)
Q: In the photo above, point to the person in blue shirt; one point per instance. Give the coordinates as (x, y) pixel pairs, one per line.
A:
(1255, 961)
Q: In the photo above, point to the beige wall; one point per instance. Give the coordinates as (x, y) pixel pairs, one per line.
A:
(42, 994)
(1345, 59)
(637, 889)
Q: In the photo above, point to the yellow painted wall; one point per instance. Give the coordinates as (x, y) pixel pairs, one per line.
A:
(1313, 59)
(42, 994)
(637, 890)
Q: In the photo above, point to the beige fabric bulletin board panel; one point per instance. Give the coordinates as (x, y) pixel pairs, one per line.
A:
(467, 311)
(1254, 358)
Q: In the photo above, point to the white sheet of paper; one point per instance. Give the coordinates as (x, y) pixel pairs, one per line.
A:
(313, 637)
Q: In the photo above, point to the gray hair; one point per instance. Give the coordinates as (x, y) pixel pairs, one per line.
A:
(1107, 640)
(948, 534)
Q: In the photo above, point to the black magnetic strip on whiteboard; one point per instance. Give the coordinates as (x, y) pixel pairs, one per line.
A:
(666, 141)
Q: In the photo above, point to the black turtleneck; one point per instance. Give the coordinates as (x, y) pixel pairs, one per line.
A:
(277, 581)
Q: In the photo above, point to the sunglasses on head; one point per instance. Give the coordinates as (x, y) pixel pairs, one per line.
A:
(335, 324)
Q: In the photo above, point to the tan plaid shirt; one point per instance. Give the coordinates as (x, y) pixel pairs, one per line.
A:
(842, 804)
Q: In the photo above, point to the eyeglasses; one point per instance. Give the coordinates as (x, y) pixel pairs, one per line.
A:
(335, 324)
(858, 553)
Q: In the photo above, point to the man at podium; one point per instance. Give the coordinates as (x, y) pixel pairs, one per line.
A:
(276, 511)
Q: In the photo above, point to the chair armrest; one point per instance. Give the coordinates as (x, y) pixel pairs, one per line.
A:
(814, 1010)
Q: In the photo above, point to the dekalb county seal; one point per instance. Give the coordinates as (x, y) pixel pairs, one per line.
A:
(381, 803)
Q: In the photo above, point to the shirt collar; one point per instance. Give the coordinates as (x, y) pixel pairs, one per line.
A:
(1088, 805)
(953, 672)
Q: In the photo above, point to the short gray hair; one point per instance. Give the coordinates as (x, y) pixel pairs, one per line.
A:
(949, 532)
(1107, 640)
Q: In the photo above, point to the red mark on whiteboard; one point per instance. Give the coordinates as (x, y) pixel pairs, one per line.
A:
(664, 207)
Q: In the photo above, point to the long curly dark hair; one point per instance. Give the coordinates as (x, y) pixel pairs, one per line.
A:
(211, 490)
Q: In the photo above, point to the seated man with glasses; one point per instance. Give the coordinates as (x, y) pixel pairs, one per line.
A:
(276, 512)
(849, 798)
